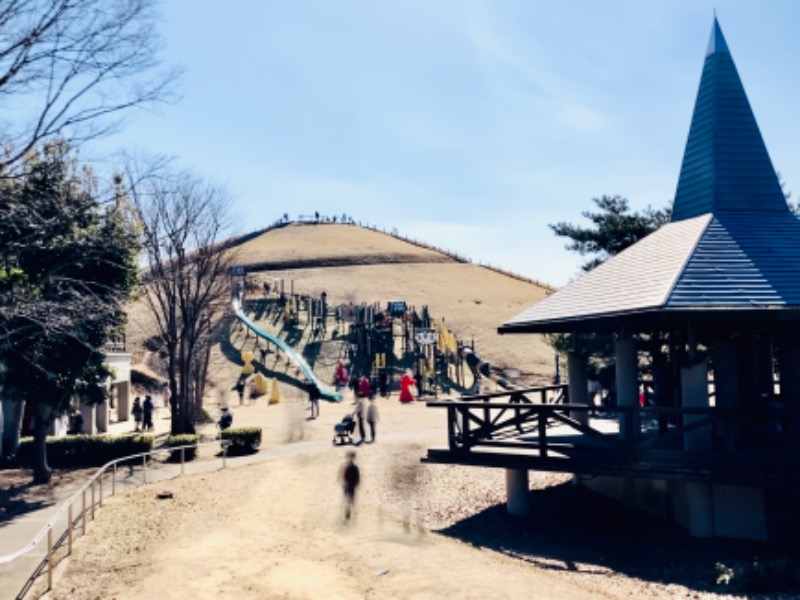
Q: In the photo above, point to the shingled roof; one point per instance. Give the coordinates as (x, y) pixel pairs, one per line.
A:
(732, 249)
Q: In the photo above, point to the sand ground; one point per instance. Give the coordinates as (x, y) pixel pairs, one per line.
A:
(276, 528)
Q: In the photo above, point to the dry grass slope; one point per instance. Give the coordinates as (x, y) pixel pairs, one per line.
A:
(355, 264)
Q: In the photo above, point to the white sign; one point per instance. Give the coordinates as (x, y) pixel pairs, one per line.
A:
(425, 337)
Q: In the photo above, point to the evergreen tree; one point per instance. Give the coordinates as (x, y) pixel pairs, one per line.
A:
(67, 265)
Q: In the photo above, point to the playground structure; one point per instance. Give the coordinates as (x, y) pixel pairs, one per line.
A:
(378, 341)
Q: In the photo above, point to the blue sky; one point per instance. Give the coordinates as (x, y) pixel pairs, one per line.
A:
(469, 124)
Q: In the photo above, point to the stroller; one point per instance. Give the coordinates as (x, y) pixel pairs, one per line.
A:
(343, 431)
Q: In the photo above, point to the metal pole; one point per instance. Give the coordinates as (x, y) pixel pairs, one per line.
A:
(49, 559)
(114, 480)
(182, 461)
(69, 528)
(93, 501)
(144, 468)
(83, 512)
(100, 487)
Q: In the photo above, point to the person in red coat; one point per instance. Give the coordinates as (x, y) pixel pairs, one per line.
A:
(405, 388)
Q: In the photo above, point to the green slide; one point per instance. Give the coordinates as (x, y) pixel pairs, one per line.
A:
(325, 392)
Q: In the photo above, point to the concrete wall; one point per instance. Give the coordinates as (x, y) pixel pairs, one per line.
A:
(727, 510)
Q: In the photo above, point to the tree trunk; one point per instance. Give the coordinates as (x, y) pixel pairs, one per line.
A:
(41, 470)
(12, 424)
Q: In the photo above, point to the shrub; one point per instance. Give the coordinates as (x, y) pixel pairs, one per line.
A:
(76, 451)
(242, 440)
(758, 575)
(183, 440)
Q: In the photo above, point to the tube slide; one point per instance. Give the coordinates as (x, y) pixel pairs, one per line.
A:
(325, 393)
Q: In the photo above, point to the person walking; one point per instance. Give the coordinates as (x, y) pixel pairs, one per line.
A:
(147, 409)
(372, 418)
(137, 413)
(240, 383)
(351, 478)
(359, 414)
(313, 398)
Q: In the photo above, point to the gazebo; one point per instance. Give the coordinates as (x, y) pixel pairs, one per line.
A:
(708, 307)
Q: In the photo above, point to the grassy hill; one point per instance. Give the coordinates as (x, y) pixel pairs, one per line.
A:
(355, 264)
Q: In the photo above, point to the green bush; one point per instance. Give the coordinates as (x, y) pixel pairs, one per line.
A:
(242, 440)
(183, 440)
(78, 451)
(758, 576)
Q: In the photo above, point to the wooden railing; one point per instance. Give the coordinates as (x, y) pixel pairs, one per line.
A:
(735, 444)
(73, 515)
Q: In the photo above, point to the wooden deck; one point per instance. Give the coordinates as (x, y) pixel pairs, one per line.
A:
(524, 429)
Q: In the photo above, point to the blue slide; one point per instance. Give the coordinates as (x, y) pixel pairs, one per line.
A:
(325, 393)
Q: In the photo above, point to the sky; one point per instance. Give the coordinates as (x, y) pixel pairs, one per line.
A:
(468, 124)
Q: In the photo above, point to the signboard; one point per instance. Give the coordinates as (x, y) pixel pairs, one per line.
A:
(425, 337)
(397, 309)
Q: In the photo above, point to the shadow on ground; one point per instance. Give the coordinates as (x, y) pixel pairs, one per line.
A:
(573, 529)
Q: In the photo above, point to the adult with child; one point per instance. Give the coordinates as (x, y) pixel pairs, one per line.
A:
(147, 413)
(137, 413)
(372, 418)
(359, 416)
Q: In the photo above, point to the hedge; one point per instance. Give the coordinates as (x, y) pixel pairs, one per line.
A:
(75, 451)
(242, 440)
(183, 440)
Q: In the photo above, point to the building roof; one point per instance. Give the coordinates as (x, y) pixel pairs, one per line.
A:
(732, 248)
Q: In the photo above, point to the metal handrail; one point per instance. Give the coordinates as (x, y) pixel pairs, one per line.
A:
(89, 485)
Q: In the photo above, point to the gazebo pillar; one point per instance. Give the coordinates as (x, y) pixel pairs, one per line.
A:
(694, 390)
(627, 373)
(517, 485)
(578, 385)
(726, 384)
(790, 382)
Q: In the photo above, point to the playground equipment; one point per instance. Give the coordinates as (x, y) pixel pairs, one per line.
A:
(481, 368)
(325, 393)
(274, 396)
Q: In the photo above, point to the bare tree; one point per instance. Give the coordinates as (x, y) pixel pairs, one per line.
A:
(186, 287)
(69, 68)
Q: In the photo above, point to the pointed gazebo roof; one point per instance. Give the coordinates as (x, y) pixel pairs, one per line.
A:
(732, 249)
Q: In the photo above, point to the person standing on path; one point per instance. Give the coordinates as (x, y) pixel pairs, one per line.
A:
(147, 408)
(313, 398)
(359, 414)
(351, 477)
(137, 412)
(372, 418)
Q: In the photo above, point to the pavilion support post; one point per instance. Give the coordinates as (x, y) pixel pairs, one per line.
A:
(517, 485)
(123, 400)
(578, 386)
(726, 387)
(627, 380)
(101, 416)
(89, 422)
(694, 389)
(790, 384)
